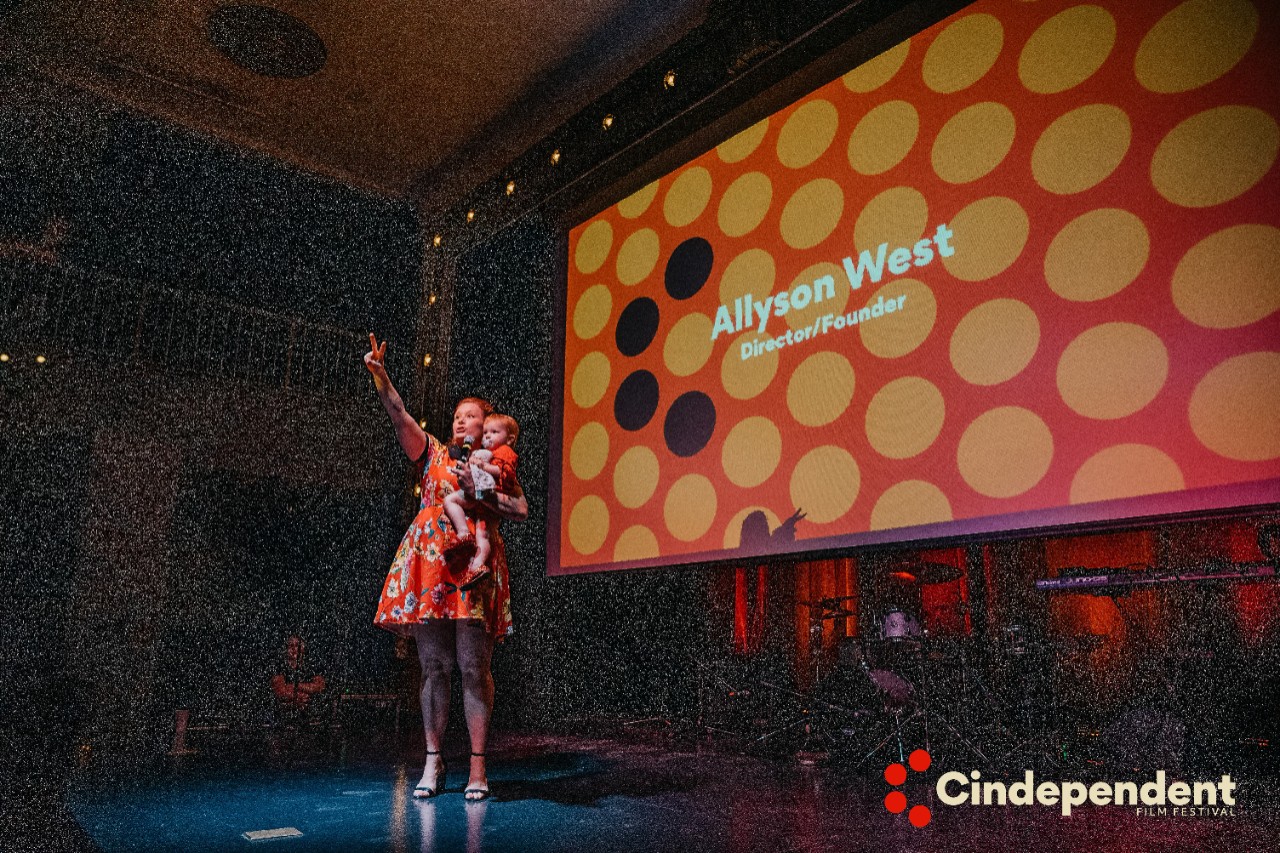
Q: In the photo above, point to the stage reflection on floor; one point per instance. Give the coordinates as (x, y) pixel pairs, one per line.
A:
(562, 794)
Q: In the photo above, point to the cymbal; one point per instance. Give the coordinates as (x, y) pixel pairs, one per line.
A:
(931, 573)
(827, 602)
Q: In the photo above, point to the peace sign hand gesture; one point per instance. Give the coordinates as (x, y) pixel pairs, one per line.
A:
(374, 359)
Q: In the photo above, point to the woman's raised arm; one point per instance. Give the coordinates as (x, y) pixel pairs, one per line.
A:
(411, 437)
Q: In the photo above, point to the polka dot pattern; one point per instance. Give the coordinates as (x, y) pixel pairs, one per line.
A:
(973, 142)
(688, 197)
(873, 74)
(1067, 49)
(635, 477)
(745, 204)
(1112, 370)
(1080, 243)
(1229, 279)
(807, 133)
(1096, 255)
(1215, 156)
(963, 53)
(812, 213)
(883, 137)
(1194, 44)
(1081, 148)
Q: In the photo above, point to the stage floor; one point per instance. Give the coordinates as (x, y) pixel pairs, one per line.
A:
(570, 794)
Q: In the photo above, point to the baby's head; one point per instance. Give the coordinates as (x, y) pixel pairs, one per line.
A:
(500, 430)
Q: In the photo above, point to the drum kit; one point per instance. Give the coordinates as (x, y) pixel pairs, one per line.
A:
(897, 686)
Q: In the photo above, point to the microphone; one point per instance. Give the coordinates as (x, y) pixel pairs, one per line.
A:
(463, 453)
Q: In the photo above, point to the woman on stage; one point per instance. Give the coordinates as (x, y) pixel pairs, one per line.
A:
(421, 597)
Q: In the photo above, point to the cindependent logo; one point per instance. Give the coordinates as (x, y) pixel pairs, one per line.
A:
(896, 801)
(1155, 797)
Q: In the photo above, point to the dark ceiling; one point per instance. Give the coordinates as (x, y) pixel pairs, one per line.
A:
(403, 97)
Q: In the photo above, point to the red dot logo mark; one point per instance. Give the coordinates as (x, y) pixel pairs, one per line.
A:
(896, 801)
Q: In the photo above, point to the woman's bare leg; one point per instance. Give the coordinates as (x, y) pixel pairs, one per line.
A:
(436, 652)
(475, 652)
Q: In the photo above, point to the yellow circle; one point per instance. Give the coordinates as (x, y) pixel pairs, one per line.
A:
(812, 213)
(744, 204)
(995, 341)
(591, 314)
(1096, 255)
(987, 237)
(883, 138)
(825, 483)
(636, 543)
(973, 142)
(1194, 44)
(635, 477)
(963, 53)
(688, 344)
(1235, 409)
(688, 197)
(593, 246)
(1081, 149)
(835, 294)
(690, 507)
(733, 530)
(1215, 155)
(1112, 370)
(807, 134)
(905, 417)
(589, 451)
(820, 389)
(1231, 278)
(638, 202)
(638, 256)
(1067, 49)
(1005, 452)
(741, 145)
(874, 73)
(908, 504)
(588, 525)
(751, 452)
(746, 378)
(590, 379)
(1125, 471)
(751, 272)
(897, 216)
(894, 335)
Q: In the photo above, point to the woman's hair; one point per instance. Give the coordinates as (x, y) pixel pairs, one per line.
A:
(486, 408)
(513, 428)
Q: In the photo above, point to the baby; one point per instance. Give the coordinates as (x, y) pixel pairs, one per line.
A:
(493, 468)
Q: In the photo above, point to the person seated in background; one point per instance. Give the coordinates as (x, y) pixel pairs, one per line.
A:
(295, 685)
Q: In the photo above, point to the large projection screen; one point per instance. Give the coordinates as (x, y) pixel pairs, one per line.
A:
(1021, 271)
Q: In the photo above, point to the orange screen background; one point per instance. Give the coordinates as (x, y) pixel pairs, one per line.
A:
(1105, 333)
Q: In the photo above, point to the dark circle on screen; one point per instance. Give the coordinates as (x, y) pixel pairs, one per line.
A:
(689, 424)
(688, 267)
(637, 325)
(636, 400)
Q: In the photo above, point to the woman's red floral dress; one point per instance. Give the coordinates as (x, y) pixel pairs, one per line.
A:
(421, 585)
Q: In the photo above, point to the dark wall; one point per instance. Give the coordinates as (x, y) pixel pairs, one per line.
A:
(163, 525)
(147, 200)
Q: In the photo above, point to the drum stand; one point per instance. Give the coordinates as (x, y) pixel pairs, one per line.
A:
(922, 708)
(928, 711)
